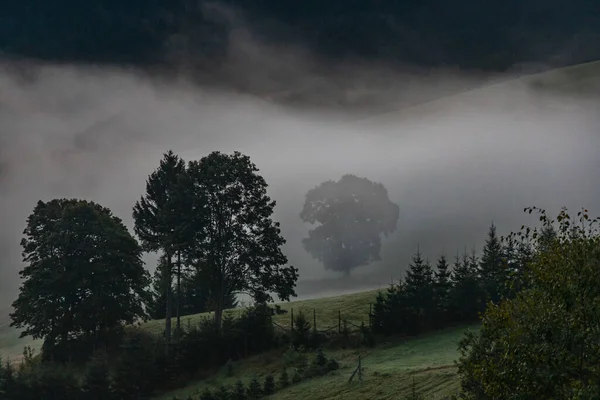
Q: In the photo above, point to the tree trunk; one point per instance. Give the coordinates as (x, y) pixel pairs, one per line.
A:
(178, 310)
(219, 314)
(169, 298)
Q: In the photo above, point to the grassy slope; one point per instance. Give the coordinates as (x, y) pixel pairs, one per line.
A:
(353, 307)
(389, 370)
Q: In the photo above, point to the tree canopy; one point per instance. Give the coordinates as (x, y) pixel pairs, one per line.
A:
(236, 244)
(161, 221)
(83, 276)
(352, 214)
(544, 342)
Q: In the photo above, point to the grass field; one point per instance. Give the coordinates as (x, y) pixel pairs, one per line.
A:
(389, 371)
(352, 307)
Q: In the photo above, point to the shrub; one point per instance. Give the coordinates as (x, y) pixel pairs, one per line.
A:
(332, 365)
(96, 379)
(207, 394)
(254, 389)
(239, 391)
(229, 369)
(269, 385)
(320, 359)
(223, 393)
(297, 377)
(542, 343)
(284, 379)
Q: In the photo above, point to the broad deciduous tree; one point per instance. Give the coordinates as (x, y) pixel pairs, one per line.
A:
(544, 342)
(236, 246)
(352, 214)
(83, 276)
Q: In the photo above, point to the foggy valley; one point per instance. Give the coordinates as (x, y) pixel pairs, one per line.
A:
(453, 165)
(434, 167)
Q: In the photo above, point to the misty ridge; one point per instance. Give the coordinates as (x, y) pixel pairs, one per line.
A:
(490, 146)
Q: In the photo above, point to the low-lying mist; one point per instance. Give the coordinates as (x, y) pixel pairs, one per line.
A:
(453, 165)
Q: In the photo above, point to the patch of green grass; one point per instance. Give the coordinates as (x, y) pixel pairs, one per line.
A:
(353, 307)
(388, 371)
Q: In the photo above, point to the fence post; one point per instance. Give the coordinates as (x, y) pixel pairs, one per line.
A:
(315, 319)
(370, 311)
(292, 319)
(339, 321)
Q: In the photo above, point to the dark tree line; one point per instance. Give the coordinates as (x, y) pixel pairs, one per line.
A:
(431, 297)
(212, 218)
(84, 283)
(141, 369)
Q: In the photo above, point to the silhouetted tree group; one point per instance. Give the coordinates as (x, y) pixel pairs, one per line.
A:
(429, 298)
(84, 283)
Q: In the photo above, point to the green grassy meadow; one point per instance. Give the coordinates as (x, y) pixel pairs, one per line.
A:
(389, 371)
(352, 307)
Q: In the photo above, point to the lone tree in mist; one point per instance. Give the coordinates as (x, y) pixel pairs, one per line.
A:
(236, 245)
(352, 214)
(84, 276)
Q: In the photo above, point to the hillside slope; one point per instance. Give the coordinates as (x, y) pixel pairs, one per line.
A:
(389, 371)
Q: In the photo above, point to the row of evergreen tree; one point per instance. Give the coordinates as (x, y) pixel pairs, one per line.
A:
(429, 298)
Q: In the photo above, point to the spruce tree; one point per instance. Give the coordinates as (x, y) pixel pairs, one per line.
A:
(510, 264)
(254, 389)
(284, 379)
(161, 221)
(301, 332)
(419, 288)
(239, 391)
(491, 268)
(443, 286)
(380, 314)
(223, 393)
(269, 385)
(464, 295)
(546, 239)
(321, 358)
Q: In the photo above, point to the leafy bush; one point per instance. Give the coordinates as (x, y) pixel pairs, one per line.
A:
(269, 385)
(297, 377)
(223, 393)
(207, 394)
(543, 343)
(239, 391)
(284, 379)
(332, 365)
(96, 380)
(254, 389)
